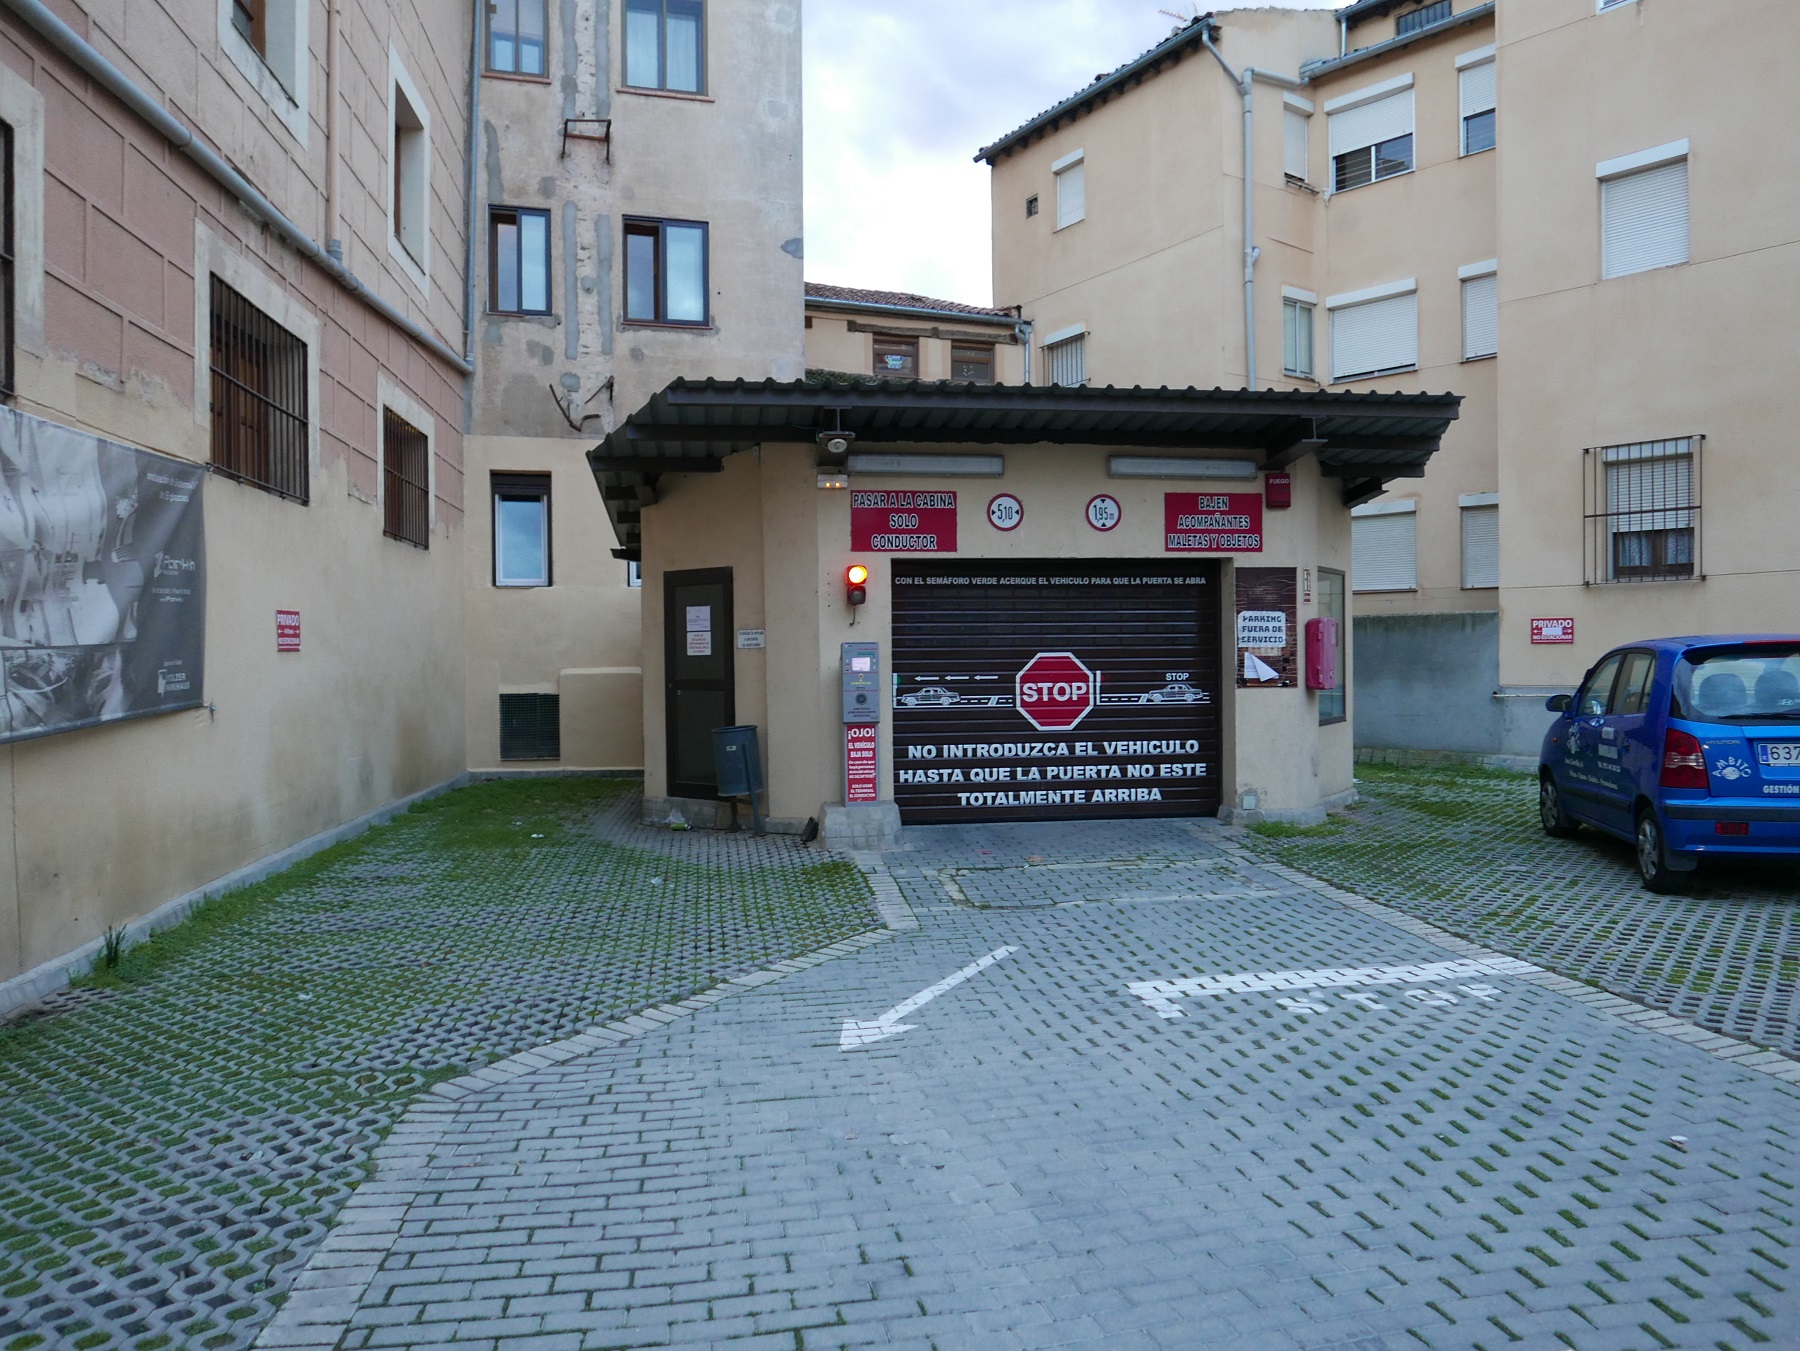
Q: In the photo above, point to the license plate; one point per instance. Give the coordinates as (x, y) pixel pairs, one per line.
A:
(1779, 753)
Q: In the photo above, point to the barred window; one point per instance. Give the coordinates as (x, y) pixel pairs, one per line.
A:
(405, 480)
(1068, 361)
(530, 727)
(259, 397)
(1643, 511)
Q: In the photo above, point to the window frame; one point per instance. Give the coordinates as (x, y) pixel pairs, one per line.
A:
(405, 487)
(9, 265)
(274, 58)
(662, 85)
(659, 232)
(1439, 10)
(1299, 306)
(1603, 520)
(1471, 277)
(491, 8)
(1066, 341)
(1637, 168)
(959, 354)
(1355, 300)
(1031, 206)
(1334, 704)
(1472, 503)
(1066, 170)
(520, 485)
(519, 213)
(409, 174)
(902, 345)
(1408, 511)
(257, 339)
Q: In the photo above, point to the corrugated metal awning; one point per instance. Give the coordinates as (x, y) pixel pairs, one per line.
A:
(691, 426)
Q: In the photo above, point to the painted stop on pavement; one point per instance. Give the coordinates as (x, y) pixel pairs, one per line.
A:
(1056, 691)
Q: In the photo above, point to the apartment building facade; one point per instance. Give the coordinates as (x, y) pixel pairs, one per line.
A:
(639, 179)
(1413, 225)
(232, 442)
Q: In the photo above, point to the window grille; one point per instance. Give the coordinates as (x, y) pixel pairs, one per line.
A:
(259, 397)
(406, 480)
(530, 727)
(1068, 361)
(8, 282)
(1642, 510)
(1435, 12)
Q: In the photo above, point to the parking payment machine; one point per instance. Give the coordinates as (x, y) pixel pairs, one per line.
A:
(861, 665)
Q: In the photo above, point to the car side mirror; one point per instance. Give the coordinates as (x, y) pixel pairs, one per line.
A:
(1560, 703)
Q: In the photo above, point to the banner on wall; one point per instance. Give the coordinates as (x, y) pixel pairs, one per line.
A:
(102, 580)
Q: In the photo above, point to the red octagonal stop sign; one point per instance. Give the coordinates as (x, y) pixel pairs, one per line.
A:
(1056, 691)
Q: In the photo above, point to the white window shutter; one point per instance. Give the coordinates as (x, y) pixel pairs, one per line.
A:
(1371, 123)
(1479, 87)
(1379, 335)
(1384, 552)
(1481, 547)
(1294, 146)
(1644, 220)
(1068, 361)
(1071, 195)
(1481, 317)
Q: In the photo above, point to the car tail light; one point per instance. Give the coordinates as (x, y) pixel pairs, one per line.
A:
(1684, 765)
(1731, 827)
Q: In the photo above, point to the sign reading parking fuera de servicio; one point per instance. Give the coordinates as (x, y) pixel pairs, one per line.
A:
(903, 522)
(1213, 523)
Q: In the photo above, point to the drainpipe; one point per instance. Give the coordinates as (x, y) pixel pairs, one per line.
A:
(1246, 83)
(1022, 330)
(334, 244)
(109, 77)
(1343, 35)
(471, 186)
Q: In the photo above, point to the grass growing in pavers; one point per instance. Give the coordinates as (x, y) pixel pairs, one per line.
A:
(175, 1141)
(1461, 847)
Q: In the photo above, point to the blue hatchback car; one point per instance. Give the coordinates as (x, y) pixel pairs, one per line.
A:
(1687, 747)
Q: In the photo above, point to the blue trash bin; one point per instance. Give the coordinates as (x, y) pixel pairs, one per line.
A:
(738, 762)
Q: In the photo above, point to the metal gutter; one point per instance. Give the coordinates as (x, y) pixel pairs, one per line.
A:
(474, 221)
(72, 45)
(915, 311)
(1312, 70)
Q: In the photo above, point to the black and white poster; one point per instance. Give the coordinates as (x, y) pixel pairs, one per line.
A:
(102, 580)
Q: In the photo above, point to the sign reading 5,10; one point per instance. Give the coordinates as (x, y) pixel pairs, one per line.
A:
(1005, 512)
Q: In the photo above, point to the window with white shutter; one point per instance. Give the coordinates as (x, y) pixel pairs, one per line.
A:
(1071, 189)
(1480, 543)
(1068, 360)
(1644, 214)
(1384, 552)
(1374, 336)
(1371, 134)
(1479, 96)
(1294, 145)
(1481, 316)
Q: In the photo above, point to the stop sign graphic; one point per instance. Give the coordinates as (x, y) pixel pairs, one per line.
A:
(1056, 691)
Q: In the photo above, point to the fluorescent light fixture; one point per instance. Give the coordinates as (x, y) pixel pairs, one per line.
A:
(1169, 466)
(937, 466)
(833, 478)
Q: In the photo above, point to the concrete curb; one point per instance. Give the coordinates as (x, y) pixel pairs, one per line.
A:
(329, 1289)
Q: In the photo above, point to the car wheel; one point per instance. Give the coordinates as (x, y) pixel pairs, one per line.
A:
(1552, 815)
(1653, 859)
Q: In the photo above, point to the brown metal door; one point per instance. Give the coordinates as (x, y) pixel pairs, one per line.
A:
(699, 691)
(1148, 744)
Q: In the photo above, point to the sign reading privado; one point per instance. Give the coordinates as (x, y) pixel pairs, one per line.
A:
(1213, 523)
(903, 522)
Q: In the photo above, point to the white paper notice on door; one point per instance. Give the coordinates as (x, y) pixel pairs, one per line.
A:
(700, 644)
(1262, 630)
(699, 619)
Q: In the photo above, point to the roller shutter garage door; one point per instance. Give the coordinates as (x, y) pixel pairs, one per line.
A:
(976, 648)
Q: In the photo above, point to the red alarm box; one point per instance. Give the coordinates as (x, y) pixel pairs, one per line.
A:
(1278, 491)
(1321, 654)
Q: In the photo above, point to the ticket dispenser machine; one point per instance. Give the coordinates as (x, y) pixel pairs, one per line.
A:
(862, 711)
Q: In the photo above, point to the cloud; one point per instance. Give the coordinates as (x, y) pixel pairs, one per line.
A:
(899, 96)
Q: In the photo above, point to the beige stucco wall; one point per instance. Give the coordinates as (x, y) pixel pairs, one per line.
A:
(788, 543)
(832, 345)
(117, 237)
(730, 158)
(1694, 349)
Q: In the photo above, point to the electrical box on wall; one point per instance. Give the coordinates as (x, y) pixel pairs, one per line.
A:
(862, 682)
(1321, 654)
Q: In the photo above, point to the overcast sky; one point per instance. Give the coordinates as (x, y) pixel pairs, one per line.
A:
(899, 96)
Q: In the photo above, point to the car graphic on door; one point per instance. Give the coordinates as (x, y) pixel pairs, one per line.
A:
(933, 696)
(1176, 694)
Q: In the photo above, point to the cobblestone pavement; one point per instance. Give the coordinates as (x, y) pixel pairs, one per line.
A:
(174, 1144)
(1462, 848)
(1122, 1087)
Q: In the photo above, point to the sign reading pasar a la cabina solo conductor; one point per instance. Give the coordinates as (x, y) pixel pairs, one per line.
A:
(903, 522)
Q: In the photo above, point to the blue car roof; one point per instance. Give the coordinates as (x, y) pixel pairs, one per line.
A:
(1683, 644)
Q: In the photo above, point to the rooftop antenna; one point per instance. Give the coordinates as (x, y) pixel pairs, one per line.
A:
(1182, 19)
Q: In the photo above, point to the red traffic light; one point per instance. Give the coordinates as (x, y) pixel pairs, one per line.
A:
(856, 577)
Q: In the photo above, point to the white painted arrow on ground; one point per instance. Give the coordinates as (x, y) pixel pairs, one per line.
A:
(888, 1024)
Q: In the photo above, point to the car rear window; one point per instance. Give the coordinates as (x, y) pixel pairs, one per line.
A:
(1737, 684)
